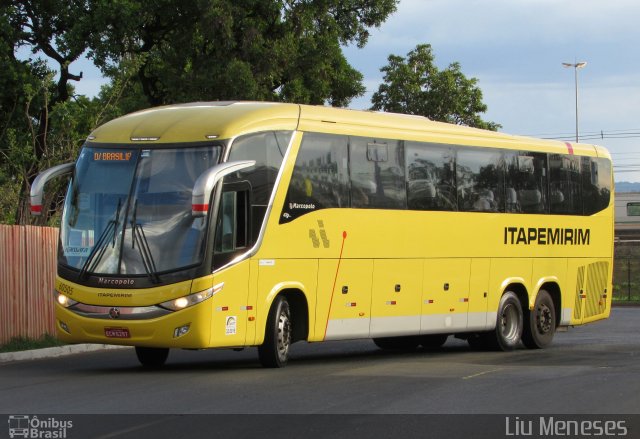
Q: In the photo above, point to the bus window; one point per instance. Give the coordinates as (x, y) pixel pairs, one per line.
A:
(596, 184)
(267, 149)
(232, 224)
(564, 178)
(430, 176)
(479, 179)
(526, 182)
(320, 177)
(377, 173)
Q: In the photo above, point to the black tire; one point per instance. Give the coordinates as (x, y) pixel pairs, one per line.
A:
(274, 352)
(433, 341)
(540, 323)
(406, 344)
(152, 358)
(509, 324)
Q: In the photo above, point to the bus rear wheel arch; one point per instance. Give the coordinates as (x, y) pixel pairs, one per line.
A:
(540, 323)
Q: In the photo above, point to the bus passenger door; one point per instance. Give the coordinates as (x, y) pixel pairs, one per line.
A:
(395, 298)
(231, 306)
(344, 298)
(445, 295)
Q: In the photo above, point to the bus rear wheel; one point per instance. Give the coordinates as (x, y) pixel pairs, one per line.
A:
(509, 324)
(152, 358)
(274, 352)
(540, 323)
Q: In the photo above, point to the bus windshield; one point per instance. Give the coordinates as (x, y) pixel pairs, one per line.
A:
(128, 210)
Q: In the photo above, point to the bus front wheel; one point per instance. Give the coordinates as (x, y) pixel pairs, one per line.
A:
(540, 323)
(509, 324)
(274, 352)
(152, 358)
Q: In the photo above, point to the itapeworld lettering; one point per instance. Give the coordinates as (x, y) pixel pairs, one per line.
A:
(546, 236)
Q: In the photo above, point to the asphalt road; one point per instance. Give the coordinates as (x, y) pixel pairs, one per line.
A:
(593, 369)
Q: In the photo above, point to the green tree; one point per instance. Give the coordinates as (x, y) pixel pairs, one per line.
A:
(42, 123)
(31, 101)
(59, 29)
(287, 50)
(414, 85)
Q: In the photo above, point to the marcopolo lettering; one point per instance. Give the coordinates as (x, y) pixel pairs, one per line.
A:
(305, 206)
(546, 236)
(115, 281)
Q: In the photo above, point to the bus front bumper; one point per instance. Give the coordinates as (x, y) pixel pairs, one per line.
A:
(189, 328)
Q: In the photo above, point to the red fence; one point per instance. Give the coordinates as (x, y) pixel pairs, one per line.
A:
(27, 276)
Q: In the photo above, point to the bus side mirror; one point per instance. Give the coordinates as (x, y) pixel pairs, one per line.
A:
(207, 181)
(37, 188)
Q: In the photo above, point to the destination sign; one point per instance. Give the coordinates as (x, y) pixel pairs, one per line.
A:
(112, 156)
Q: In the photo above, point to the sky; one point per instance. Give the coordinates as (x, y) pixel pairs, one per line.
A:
(515, 48)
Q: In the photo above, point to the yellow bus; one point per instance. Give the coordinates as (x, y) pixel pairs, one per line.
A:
(237, 224)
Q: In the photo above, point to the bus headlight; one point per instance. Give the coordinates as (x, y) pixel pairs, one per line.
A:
(64, 300)
(191, 299)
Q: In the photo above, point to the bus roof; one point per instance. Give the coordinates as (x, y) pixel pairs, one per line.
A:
(202, 121)
(197, 122)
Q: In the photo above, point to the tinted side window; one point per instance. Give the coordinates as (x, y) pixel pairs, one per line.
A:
(480, 180)
(267, 149)
(320, 178)
(564, 184)
(596, 184)
(526, 182)
(430, 177)
(377, 173)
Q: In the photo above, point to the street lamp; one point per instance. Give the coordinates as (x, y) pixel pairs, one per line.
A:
(576, 66)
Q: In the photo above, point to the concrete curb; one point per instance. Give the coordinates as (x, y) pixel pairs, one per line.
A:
(54, 352)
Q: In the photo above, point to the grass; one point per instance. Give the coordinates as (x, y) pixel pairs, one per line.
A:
(25, 343)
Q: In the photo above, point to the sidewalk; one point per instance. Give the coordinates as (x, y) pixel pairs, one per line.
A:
(58, 351)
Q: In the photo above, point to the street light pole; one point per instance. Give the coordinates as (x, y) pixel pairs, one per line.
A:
(576, 66)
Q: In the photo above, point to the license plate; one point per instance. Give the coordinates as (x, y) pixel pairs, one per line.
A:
(117, 332)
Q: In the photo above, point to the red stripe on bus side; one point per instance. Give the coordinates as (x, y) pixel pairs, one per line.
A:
(569, 147)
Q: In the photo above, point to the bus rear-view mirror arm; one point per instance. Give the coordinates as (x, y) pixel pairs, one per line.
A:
(207, 181)
(37, 188)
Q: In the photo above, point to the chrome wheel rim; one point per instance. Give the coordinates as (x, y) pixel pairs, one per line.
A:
(510, 323)
(284, 336)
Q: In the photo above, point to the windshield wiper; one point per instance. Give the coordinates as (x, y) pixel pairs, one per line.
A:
(108, 234)
(140, 238)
